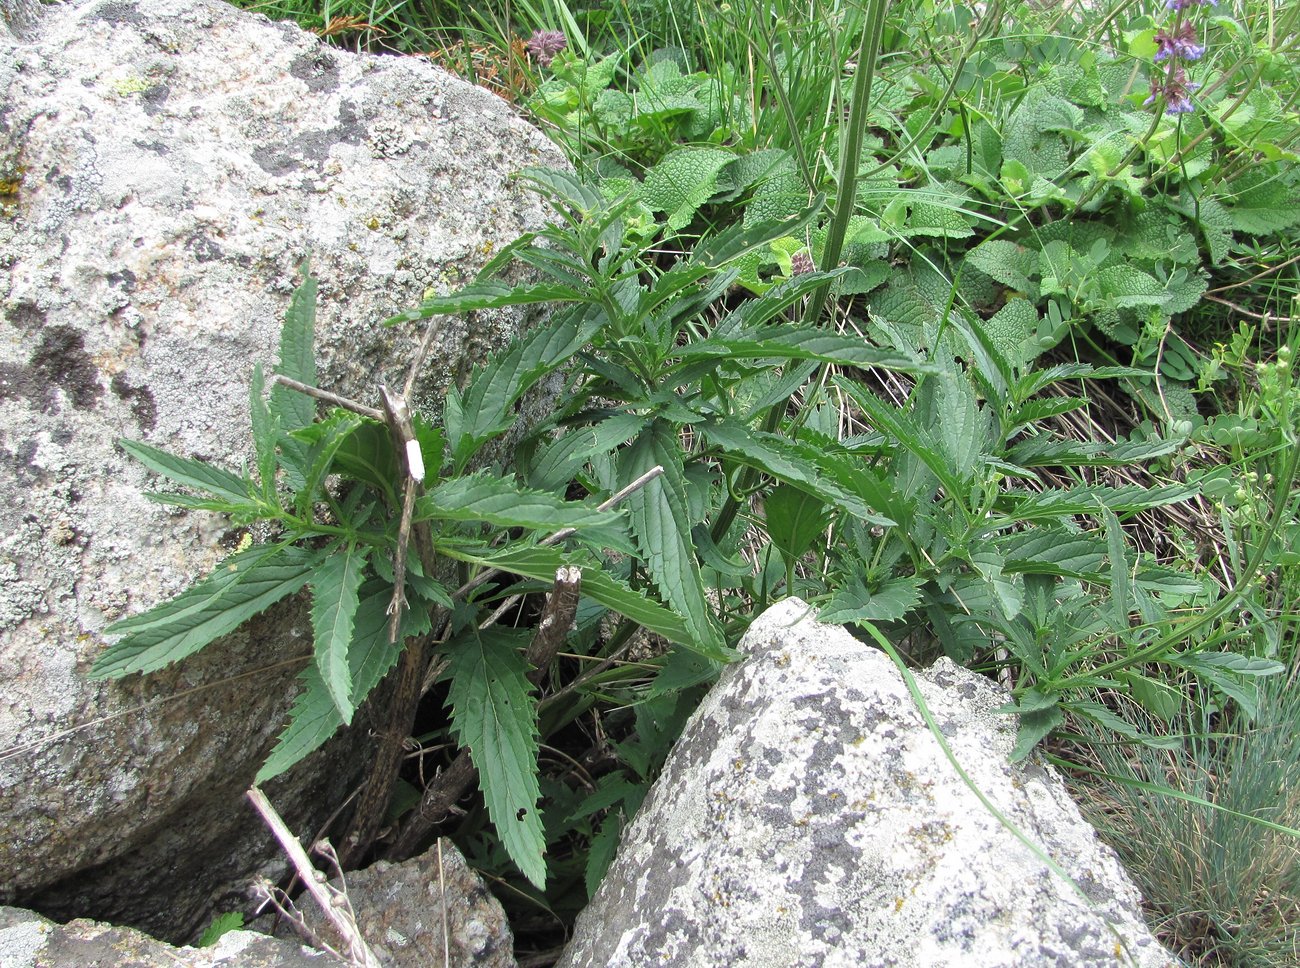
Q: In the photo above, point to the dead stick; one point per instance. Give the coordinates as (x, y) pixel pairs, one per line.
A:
(372, 806)
(439, 797)
(449, 786)
(328, 397)
(312, 878)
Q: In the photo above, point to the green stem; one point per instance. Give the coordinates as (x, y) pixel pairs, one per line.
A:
(845, 202)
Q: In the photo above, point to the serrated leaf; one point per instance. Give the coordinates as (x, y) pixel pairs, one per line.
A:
(790, 342)
(1009, 590)
(1124, 499)
(289, 408)
(795, 519)
(221, 924)
(541, 563)
(314, 717)
(684, 181)
(326, 437)
(242, 586)
(661, 523)
(890, 602)
(336, 584)
(1126, 286)
(502, 502)
(682, 670)
(1116, 724)
(486, 407)
(1034, 728)
(367, 455)
(1039, 380)
(1052, 551)
(903, 429)
(494, 715)
(938, 221)
(1010, 264)
(487, 294)
(1226, 671)
(558, 461)
(221, 483)
(788, 461)
(1030, 701)
(1012, 330)
(601, 852)
(962, 425)
(1044, 451)
(1263, 202)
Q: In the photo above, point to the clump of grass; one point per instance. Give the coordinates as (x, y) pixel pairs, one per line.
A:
(1198, 829)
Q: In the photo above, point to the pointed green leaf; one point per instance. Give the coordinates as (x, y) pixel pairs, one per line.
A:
(790, 342)
(1034, 728)
(1125, 499)
(242, 586)
(890, 602)
(661, 524)
(795, 519)
(486, 407)
(1103, 716)
(963, 426)
(367, 455)
(558, 461)
(494, 716)
(314, 717)
(1052, 551)
(902, 428)
(740, 239)
(483, 294)
(335, 587)
(290, 408)
(326, 437)
(484, 496)
(192, 473)
(601, 852)
(541, 563)
(801, 466)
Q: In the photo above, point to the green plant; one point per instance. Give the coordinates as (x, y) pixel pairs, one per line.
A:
(221, 924)
(339, 499)
(1206, 827)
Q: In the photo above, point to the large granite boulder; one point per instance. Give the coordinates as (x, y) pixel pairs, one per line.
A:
(809, 817)
(165, 167)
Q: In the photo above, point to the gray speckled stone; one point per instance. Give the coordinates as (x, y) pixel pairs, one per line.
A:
(807, 817)
(28, 940)
(174, 161)
(400, 911)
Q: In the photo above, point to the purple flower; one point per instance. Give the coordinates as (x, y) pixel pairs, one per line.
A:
(1180, 44)
(801, 263)
(1184, 4)
(545, 44)
(1176, 90)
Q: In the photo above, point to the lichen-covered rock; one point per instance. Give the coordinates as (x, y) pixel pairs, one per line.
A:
(28, 940)
(165, 167)
(808, 817)
(406, 911)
